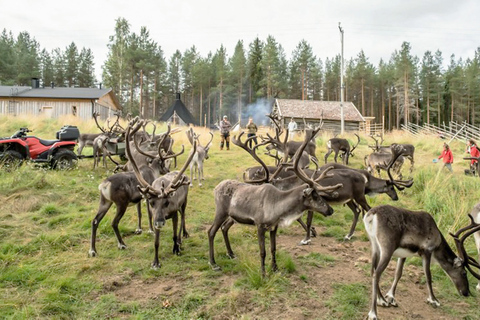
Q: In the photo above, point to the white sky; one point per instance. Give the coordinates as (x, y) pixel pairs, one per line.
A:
(378, 27)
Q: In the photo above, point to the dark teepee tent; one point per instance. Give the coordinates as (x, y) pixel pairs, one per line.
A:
(178, 114)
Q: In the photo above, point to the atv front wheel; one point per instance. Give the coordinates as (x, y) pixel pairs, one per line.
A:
(64, 160)
(11, 160)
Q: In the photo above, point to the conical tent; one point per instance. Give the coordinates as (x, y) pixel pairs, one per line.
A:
(178, 114)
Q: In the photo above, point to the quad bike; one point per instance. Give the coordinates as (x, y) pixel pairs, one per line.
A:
(58, 154)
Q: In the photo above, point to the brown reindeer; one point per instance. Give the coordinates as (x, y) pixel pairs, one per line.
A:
(266, 207)
(403, 233)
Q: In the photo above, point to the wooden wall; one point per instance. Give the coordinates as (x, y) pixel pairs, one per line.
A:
(57, 107)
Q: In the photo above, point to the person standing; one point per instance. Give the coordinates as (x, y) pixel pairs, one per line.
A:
(251, 132)
(225, 127)
(447, 157)
(474, 152)
(292, 127)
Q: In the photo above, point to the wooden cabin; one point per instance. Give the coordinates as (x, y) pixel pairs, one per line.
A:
(311, 112)
(57, 101)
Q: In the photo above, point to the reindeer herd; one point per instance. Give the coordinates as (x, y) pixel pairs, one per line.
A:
(269, 197)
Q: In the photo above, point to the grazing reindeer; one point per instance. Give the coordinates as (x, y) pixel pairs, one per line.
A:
(379, 161)
(166, 195)
(199, 157)
(342, 147)
(403, 233)
(476, 217)
(409, 150)
(266, 207)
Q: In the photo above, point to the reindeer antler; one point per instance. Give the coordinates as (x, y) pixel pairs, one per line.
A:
(252, 152)
(397, 151)
(95, 115)
(468, 261)
(358, 141)
(301, 174)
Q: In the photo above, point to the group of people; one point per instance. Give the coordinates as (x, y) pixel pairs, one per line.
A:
(472, 149)
(226, 126)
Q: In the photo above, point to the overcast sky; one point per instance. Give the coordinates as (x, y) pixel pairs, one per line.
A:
(378, 27)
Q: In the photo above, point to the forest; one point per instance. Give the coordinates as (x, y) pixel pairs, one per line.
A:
(403, 88)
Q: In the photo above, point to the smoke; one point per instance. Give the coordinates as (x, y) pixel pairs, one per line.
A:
(258, 112)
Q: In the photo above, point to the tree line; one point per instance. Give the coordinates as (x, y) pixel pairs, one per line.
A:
(402, 89)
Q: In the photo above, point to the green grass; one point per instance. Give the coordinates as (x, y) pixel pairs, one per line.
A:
(45, 223)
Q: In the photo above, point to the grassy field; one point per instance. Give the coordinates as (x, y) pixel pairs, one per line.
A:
(45, 223)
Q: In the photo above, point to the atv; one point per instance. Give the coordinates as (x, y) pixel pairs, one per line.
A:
(57, 154)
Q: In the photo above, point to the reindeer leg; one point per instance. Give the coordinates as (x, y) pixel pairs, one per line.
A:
(390, 297)
(200, 174)
(377, 297)
(310, 231)
(149, 210)
(336, 155)
(156, 261)
(273, 248)
(427, 256)
(102, 210)
(261, 242)
(176, 243)
(139, 214)
(121, 208)
(220, 219)
(329, 151)
(356, 212)
(183, 225)
(225, 227)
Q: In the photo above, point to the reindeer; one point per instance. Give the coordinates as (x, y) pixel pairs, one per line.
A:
(377, 161)
(342, 147)
(476, 217)
(115, 133)
(403, 233)
(372, 185)
(266, 207)
(121, 189)
(166, 195)
(200, 156)
(86, 139)
(291, 147)
(409, 150)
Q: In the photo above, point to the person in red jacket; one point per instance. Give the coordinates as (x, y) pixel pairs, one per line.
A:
(474, 152)
(447, 157)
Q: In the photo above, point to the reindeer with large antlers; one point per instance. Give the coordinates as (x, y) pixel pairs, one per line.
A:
(403, 233)
(114, 133)
(199, 157)
(166, 195)
(121, 189)
(266, 207)
(341, 146)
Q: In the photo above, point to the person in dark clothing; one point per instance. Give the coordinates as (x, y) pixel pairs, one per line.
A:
(251, 132)
(225, 127)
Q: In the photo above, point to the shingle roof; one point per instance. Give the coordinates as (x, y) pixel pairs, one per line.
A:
(54, 93)
(290, 108)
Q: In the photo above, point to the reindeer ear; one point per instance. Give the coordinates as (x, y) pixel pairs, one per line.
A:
(307, 192)
(457, 262)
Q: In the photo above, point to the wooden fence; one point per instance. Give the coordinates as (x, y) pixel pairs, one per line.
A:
(459, 131)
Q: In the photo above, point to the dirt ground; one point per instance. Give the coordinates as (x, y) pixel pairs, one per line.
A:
(352, 263)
